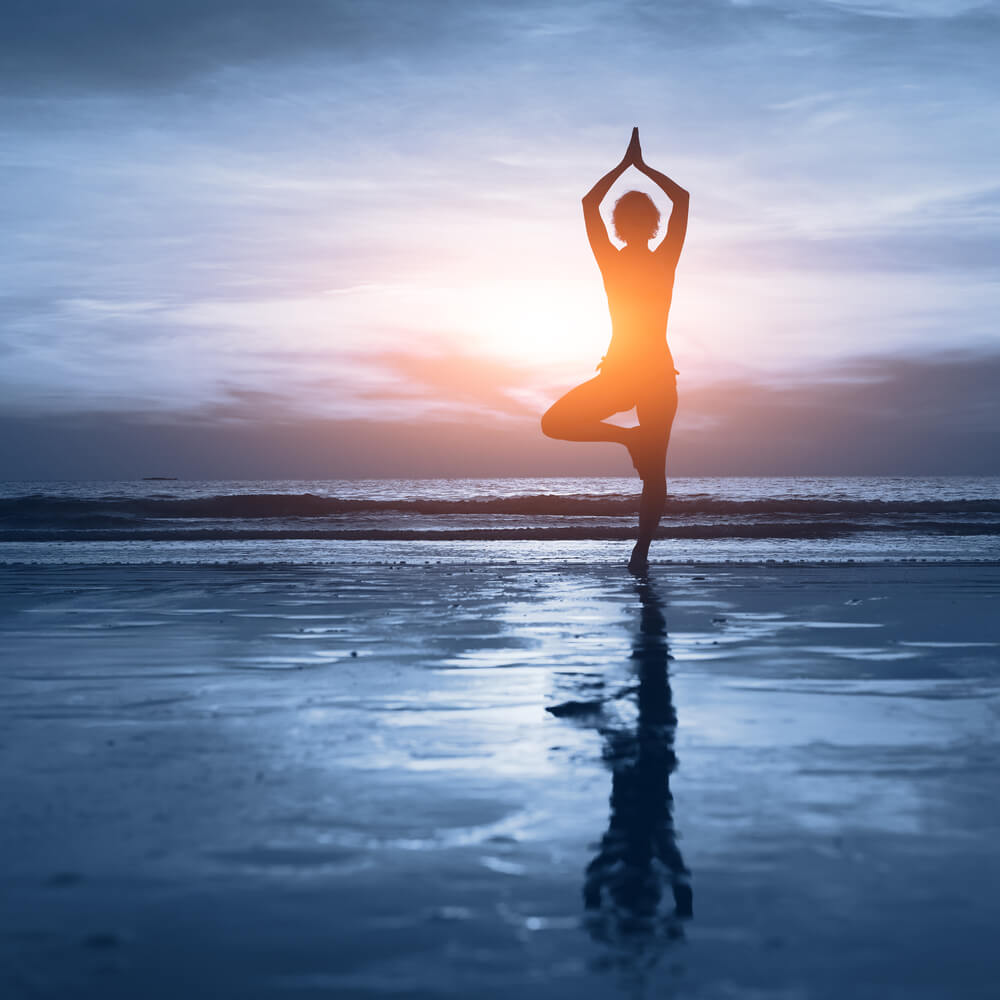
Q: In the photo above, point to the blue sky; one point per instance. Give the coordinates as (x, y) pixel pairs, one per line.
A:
(327, 238)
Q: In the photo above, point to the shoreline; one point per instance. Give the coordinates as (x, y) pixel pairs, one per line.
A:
(527, 553)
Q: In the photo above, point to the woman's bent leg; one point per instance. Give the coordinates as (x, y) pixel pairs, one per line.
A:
(656, 411)
(580, 414)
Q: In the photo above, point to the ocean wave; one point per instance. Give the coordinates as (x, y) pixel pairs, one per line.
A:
(40, 510)
(486, 532)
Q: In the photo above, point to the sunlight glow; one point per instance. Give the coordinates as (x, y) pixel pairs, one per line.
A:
(533, 321)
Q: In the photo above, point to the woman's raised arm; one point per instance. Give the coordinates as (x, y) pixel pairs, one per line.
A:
(596, 232)
(677, 226)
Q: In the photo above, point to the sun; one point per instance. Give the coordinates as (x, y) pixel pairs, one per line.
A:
(534, 322)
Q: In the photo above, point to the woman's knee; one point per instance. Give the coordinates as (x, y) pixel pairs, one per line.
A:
(552, 423)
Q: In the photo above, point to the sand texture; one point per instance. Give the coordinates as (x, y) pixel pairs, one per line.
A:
(507, 779)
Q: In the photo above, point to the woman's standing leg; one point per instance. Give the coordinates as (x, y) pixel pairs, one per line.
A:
(656, 409)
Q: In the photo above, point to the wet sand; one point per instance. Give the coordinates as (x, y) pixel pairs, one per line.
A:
(505, 780)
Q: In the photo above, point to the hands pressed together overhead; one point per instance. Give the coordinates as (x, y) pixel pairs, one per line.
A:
(633, 155)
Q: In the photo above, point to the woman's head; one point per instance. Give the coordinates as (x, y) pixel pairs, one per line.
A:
(636, 219)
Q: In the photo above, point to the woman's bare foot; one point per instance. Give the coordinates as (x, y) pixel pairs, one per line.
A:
(638, 564)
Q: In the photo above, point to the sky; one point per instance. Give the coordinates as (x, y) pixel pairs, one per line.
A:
(329, 239)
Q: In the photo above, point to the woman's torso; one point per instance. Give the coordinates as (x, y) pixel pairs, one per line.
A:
(639, 288)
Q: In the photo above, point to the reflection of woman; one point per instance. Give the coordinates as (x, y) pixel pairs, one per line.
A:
(638, 369)
(624, 885)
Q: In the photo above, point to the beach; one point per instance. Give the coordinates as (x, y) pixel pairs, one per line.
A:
(470, 771)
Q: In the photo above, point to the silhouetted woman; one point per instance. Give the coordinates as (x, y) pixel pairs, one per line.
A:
(637, 369)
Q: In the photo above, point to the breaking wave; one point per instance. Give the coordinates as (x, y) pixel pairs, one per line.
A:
(41, 516)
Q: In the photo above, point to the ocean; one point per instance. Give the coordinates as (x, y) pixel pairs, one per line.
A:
(711, 520)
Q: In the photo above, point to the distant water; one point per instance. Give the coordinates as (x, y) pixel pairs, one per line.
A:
(711, 520)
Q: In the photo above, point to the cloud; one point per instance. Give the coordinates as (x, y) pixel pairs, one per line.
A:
(907, 9)
(66, 45)
(941, 232)
(930, 415)
(153, 45)
(457, 381)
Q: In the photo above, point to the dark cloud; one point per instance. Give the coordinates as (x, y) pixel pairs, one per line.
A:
(919, 416)
(124, 44)
(923, 416)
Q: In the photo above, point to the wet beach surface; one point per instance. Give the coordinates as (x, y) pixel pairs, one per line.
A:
(500, 779)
